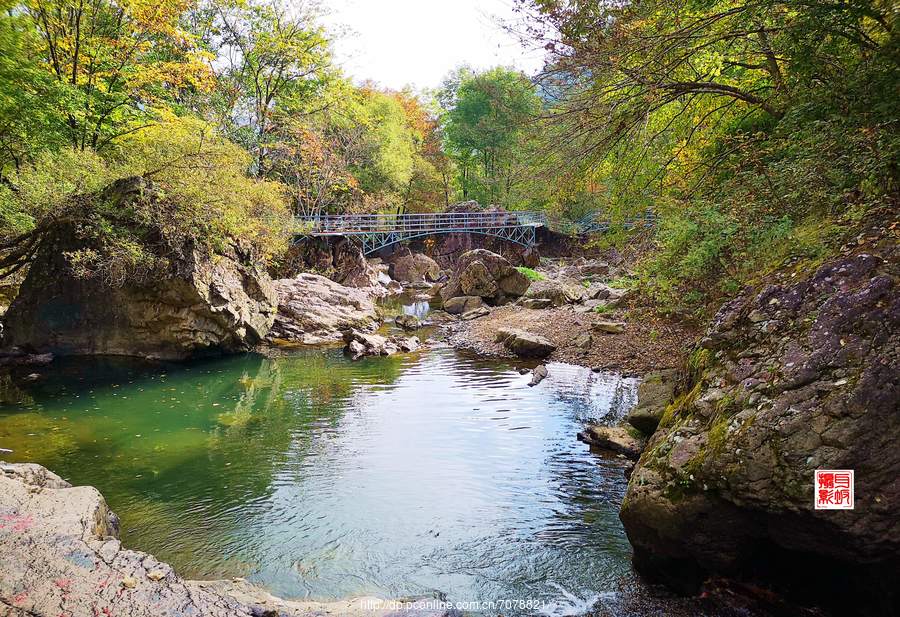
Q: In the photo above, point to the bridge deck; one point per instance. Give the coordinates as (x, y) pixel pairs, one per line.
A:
(376, 231)
(363, 224)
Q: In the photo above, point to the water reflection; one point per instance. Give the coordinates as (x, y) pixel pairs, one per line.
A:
(324, 478)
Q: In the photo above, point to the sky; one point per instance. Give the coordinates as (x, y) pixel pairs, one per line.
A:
(417, 42)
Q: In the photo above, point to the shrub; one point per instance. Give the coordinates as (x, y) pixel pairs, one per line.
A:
(532, 275)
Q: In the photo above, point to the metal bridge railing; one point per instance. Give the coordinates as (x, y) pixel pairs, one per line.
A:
(362, 224)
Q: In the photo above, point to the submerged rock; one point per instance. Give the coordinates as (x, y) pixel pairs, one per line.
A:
(538, 374)
(524, 343)
(60, 555)
(798, 376)
(313, 309)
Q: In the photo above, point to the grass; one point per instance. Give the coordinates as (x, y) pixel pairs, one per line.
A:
(532, 275)
(602, 309)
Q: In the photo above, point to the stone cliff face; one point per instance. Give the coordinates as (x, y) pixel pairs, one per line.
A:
(338, 259)
(206, 304)
(802, 375)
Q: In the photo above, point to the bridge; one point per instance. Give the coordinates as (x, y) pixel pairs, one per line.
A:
(376, 231)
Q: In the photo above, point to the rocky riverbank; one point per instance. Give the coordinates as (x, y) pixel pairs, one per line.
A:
(584, 319)
(60, 555)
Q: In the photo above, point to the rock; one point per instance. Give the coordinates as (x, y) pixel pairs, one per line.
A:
(610, 327)
(202, 304)
(408, 344)
(524, 343)
(654, 394)
(486, 275)
(475, 280)
(16, 356)
(475, 313)
(313, 310)
(616, 439)
(536, 303)
(538, 375)
(361, 344)
(408, 322)
(531, 258)
(462, 304)
(585, 269)
(582, 340)
(415, 268)
(795, 376)
(559, 292)
(338, 259)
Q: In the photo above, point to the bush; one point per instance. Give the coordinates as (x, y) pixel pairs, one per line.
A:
(532, 275)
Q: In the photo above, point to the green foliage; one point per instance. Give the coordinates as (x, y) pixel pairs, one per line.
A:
(761, 133)
(531, 275)
(486, 128)
(204, 199)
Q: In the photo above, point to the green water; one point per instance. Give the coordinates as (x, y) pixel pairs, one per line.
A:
(425, 474)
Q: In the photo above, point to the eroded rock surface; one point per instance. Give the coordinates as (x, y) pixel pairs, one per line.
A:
(802, 375)
(415, 268)
(487, 275)
(335, 258)
(313, 309)
(203, 304)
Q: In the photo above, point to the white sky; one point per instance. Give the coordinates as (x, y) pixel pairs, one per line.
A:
(417, 42)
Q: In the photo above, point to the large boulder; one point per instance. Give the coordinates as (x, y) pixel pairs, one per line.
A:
(558, 292)
(802, 375)
(313, 309)
(524, 343)
(486, 275)
(202, 304)
(462, 304)
(415, 268)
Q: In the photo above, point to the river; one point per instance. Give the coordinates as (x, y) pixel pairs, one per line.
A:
(436, 474)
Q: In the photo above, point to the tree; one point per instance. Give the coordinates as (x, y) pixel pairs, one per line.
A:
(113, 64)
(275, 61)
(486, 129)
(613, 65)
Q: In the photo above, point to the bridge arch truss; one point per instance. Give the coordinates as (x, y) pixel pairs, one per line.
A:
(377, 231)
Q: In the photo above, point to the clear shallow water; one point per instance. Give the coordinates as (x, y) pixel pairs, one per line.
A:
(421, 475)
